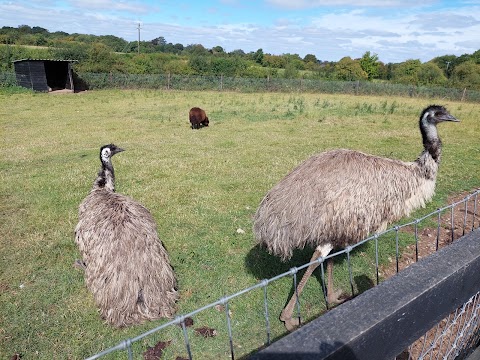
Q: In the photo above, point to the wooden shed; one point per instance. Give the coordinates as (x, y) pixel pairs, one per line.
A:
(44, 75)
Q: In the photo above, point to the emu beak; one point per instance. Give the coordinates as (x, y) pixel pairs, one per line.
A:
(449, 118)
(117, 150)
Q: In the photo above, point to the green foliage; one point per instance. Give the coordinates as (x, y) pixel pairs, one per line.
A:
(10, 53)
(369, 64)
(199, 64)
(67, 50)
(258, 56)
(348, 69)
(430, 74)
(407, 72)
(274, 61)
(467, 75)
(291, 71)
(310, 58)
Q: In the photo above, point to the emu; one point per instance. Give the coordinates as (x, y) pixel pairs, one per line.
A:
(198, 118)
(336, 198)
(126, 266)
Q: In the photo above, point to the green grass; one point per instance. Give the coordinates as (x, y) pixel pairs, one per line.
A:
(201, 186)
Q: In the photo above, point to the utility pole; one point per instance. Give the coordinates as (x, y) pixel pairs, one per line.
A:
(138, 47)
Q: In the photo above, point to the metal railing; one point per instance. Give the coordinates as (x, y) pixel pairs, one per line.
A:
(469, 222)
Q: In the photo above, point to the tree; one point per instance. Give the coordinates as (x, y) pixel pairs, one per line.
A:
(99, 58)
(274, 61)
(159, 41)
(430, 74)
(348, 69)
(218, 50)
(369, 64)
(467, 75)
(310, 58)
(196, 49)
(446, 63)
(291, 71)
(199, 64)
(258, 56)
(407, 72)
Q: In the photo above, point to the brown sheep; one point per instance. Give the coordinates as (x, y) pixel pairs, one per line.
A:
(198, 118)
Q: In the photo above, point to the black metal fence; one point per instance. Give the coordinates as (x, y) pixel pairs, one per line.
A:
(403, 313)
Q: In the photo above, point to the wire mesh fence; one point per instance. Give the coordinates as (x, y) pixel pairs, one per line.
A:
(224, 83)
(240, 84)
(456, 335)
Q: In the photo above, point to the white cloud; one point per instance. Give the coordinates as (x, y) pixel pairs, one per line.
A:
(135, 7)
(308, 4)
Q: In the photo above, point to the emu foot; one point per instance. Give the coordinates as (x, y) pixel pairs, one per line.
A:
(336, 298)
(79, 264)
(291, 323)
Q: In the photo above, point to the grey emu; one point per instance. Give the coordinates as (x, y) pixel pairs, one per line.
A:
(126, 266)
(336, 198)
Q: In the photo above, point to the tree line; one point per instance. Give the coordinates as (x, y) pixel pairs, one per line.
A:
(108, 53)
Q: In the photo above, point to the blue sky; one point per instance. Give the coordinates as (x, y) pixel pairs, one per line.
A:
(395, 30)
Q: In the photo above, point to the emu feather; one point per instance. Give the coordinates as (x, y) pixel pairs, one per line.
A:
(127, 269)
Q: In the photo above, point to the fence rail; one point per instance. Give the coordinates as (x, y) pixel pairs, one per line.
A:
(457, 227)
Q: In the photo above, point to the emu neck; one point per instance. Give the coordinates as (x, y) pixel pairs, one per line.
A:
(105, 178)
(431, 141)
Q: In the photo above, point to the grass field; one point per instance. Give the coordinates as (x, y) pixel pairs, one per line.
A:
(201, 186)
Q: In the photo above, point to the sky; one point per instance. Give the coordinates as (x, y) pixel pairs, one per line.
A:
(394, 30)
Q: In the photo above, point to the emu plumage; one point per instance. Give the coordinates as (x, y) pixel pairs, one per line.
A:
(126, 266)
(336, 198)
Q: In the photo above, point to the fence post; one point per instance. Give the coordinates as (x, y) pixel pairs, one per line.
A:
(464, 93)
(221, 82)
(168, 81)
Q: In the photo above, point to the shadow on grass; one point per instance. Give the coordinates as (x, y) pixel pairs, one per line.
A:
(263, 265)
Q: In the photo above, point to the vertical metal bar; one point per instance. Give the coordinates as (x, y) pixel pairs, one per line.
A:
(324, 288)
(229, 325)
(451, 224)
(294, 272)
(376, 258)
(474, 211)
(129, 348)
(438, 230)
(416, 240)
(185, 338)
(396, 245)
(465, 202)
(348, 249)
(265, 303)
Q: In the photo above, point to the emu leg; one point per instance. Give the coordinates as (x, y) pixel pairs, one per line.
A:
(333, 296)
(286, 315)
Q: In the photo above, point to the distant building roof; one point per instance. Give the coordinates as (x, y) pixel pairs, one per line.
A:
(44, 60)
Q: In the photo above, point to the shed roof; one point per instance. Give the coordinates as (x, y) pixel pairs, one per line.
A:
(45, 60)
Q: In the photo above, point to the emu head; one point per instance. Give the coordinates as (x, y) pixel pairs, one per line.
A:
(107, 151)
(430, 117)
(435, 114)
